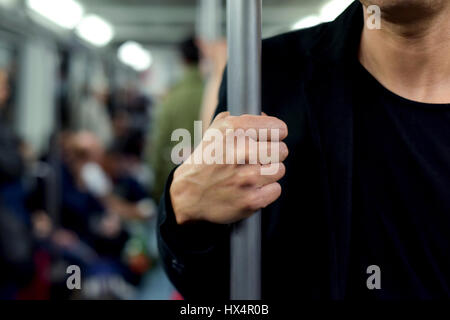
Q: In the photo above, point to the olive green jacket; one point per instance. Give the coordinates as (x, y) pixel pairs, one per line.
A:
(178, 110)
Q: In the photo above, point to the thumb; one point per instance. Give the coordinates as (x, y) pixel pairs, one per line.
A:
(222, 115)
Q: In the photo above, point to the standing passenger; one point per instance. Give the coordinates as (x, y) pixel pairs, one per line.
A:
(364, 193)
(179, 110)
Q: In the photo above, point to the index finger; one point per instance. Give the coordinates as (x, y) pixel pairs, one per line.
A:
(259, 123)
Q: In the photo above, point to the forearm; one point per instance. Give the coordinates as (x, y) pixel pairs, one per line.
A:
(210, 99)
(195, 256)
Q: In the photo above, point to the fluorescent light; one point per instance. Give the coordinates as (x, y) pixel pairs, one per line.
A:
(333, 9)
(95, 30)
(309, 21)
(134, 55)
(64, 13)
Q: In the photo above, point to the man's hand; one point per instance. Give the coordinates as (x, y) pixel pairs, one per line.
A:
(227, 193)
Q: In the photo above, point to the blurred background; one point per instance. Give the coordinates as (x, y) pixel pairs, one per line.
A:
(90, 92)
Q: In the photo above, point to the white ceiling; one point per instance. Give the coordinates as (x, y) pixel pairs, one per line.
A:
(169, 21)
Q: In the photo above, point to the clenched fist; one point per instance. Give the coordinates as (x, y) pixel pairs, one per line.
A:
(225, 192)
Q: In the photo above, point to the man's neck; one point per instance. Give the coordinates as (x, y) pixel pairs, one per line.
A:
(411, 57)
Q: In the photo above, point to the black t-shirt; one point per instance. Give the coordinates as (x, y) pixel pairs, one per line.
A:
(401, 216)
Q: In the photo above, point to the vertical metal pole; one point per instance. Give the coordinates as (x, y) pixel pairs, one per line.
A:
(244, 97)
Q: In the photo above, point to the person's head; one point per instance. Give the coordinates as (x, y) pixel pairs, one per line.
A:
(123, 153)
(190, 51)
(84, 147)
(4, 88)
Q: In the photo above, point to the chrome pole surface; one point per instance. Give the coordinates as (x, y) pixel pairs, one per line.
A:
(244, 97)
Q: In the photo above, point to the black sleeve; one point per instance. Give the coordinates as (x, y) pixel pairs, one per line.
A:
(223, 104)
(195, 257)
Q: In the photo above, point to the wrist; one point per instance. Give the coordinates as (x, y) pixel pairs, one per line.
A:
(180, 199)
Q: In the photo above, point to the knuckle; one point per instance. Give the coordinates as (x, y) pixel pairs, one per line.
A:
(249, 176)
(247, 180)
(251, 202)
(232, 122)
(253, 178)
(220, 116)
(227, 123)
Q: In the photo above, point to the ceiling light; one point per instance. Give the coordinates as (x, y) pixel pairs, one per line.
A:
(95, 30)
(64, 13)
(134, 55)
